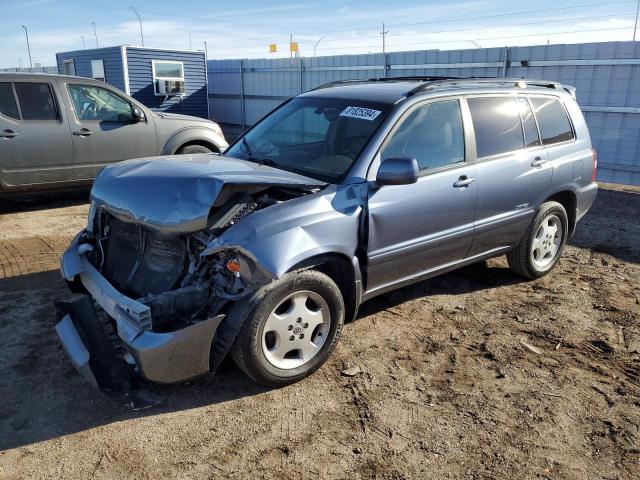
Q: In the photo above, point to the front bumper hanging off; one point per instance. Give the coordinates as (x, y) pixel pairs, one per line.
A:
(159, 357)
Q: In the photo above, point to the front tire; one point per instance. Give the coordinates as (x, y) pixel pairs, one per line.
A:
(193, 149)
(291, 330)
(541, 247)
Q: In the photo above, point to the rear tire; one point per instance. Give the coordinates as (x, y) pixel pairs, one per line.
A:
(292, 327)
(193, 149)
(541, 247)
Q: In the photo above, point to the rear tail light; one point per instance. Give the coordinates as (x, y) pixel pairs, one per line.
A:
(595, 164)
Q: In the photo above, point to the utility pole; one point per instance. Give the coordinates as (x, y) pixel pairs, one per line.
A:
(140, 22)
(84, 47)
(94, 33)
(384, 39)
(26, 34)
(190, 41)
(635, 28)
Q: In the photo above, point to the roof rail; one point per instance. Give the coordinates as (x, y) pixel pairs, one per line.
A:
(384, 79)
(517, 82)
(429, 82)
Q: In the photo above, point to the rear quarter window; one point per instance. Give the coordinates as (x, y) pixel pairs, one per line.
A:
(36, 101)
(552, 119)
(497, 125)
(8, 105)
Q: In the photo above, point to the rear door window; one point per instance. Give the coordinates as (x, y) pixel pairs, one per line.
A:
(531, 136)
(497, 125)
(552, 119)
(8, 105)
(36, 101)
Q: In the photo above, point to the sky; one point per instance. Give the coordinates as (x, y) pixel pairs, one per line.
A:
(244, 29)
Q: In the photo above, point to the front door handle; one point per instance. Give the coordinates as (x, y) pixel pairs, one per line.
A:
(538, 162)
(464, 181)
(83, 132)
(8, 134)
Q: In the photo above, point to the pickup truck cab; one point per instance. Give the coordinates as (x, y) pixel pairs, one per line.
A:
(59, 131)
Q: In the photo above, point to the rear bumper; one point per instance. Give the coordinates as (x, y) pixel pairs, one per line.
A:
(585, 197)
(159, 357)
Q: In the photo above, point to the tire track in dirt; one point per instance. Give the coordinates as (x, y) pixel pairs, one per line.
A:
(21, 256)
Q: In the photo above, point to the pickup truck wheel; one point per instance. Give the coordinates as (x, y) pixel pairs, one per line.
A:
(541, 248)
(193, 149)
(292, 329)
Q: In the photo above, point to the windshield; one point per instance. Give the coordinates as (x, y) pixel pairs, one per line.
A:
(316, 137)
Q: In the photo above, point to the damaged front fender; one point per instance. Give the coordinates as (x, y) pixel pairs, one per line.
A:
(276, 239)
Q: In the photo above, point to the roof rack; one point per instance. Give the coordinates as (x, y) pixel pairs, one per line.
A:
(384, 79)
(498, 81)
(429, 82)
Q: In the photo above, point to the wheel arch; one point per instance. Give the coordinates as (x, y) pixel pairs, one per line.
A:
(193, 136)
(203, 143)
(345, 272)
(569, 201)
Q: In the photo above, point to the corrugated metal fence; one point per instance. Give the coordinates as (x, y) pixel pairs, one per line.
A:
(52, 70)
(606, 75)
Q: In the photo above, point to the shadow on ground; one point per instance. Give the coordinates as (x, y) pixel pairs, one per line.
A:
(29, 202)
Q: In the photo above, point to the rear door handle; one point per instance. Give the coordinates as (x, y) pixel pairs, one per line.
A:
(538, 162)
(83, 132)
(464, 181)
(8, 134)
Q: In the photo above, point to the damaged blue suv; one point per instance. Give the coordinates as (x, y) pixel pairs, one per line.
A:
(340, 194)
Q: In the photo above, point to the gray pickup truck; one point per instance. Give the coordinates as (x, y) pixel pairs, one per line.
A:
(59, 131)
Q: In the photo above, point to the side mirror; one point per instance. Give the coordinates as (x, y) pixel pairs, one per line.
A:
(137, 115)
(397, 171)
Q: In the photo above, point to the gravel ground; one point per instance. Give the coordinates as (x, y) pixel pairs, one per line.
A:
(474, 374)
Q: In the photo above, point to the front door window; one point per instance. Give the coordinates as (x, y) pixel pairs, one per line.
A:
(93, 103)
(432, 134)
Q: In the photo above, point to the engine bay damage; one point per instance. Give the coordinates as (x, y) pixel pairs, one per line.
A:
(169, 273)
(158, 298)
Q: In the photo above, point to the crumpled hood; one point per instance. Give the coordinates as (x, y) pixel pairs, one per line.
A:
(175, 194)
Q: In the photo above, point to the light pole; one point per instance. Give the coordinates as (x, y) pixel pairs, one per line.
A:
(94, 33)
(635, 28)
(26, 34)
(315, 45)
(140, 22)
(83, 44)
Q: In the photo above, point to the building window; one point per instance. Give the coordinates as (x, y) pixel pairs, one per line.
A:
(168, 78)
(97, 70)
(69, 67)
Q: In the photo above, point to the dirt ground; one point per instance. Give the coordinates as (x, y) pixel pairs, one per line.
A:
(447, 388)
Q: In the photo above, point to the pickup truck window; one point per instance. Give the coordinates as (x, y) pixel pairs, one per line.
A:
(36, 101)
(8, 105)
(98, 104)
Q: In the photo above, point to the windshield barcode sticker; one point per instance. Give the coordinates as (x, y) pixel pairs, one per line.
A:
(360, 112)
